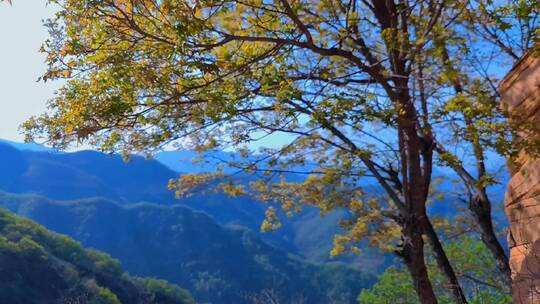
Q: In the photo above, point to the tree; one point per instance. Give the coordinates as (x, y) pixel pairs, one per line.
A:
(366, 90)
(510, 28)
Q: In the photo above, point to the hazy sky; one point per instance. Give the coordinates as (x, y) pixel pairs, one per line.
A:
(21, 35)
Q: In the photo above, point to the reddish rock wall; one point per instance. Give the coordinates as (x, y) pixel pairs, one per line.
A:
(520, 95)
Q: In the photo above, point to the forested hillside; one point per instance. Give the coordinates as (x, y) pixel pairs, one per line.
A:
(42, 267)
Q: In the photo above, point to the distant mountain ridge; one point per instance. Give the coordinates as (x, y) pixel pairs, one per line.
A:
(27, 146)
(83, 174)
(93, 174)
(65, 176)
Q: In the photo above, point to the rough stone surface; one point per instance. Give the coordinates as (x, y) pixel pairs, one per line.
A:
(520, 96)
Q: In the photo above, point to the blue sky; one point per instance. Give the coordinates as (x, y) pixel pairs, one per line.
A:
(21, 35)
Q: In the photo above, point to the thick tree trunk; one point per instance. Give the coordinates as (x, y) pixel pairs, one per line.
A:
(444, 264)
(415, 185)
(413, 256)
(481, 210)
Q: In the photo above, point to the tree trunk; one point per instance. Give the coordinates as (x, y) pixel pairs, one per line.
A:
(414, 193)
(413, 256)
(444, 264)
(481, 210)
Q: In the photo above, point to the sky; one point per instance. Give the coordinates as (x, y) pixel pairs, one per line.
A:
(21, 63)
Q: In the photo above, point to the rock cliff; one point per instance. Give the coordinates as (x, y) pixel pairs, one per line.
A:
(520, 96)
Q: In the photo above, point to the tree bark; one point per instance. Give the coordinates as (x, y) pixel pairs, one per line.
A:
(415, 185)
(413, 256)
(444, 264)
(481, 210)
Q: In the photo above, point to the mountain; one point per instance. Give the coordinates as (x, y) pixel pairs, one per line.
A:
(83, 174)
(217, 264)
(42, 267)
(66, 176)
(27, 146)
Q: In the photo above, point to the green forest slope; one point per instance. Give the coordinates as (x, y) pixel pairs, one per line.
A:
(40, 266)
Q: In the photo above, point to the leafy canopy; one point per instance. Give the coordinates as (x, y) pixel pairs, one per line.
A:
(342, 79)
